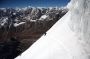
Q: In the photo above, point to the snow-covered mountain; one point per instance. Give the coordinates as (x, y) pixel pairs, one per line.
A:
(69, 38)
(26, 14)
(21, 18)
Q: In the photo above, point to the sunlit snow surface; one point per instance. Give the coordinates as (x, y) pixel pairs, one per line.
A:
(69, 38)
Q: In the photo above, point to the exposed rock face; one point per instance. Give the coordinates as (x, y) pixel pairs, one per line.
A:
(27, 25)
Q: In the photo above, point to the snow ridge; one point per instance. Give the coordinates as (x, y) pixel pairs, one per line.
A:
(69, 38)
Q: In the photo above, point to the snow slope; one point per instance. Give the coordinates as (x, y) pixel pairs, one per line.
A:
(69, 38)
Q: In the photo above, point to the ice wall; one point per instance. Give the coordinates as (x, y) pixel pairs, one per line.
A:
(80, 20)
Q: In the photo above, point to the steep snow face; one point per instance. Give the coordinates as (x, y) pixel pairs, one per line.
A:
(69, 38)
(79, 21)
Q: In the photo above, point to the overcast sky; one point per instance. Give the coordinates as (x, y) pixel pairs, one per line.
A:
(34, 3)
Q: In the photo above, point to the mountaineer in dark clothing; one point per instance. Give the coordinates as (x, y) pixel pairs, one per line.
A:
(45, 33)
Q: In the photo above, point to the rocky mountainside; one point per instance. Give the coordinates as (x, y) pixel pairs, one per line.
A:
(26, 25)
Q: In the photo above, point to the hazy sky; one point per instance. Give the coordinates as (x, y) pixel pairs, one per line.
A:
(35, 3)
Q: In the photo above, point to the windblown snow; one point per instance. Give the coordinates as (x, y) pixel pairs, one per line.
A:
(69, 38)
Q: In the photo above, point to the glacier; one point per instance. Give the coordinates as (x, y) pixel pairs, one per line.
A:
(69, 38)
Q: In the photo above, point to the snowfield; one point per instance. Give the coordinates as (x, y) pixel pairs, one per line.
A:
(69, 38)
